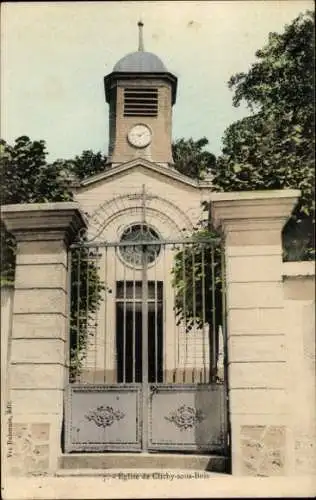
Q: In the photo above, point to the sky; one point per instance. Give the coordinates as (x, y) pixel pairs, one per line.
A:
(55, 55)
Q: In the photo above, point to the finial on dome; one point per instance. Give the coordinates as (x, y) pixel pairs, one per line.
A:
(140, 36)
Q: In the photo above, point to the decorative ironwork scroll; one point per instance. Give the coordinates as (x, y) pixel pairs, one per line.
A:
(143, 235)
(104, 416)
(186, 417)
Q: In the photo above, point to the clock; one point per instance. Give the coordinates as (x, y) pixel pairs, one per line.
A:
(139, 136)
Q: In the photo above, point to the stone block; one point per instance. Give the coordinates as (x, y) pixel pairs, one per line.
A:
(37, 401)
(299, 288)
(248, 269)
(256, 348)
(257, 375)
(37, 376)
(42, 252)
(43, 276)
(263, 450)
(245, 209)
(38, 351)
(40, 301)
(41, 449)
(253, 251)
(256, 238)
(51, 325)
(257, 401)
(40, 431)
(256, 321)
(305, 454)
(299, 269)
(255, 295)
(30, 449)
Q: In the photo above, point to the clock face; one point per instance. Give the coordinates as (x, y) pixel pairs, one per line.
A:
(139, 136)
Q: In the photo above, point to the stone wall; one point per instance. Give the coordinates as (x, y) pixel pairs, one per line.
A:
(271, 344)
(252, 223)
(268, 450)
(299, 295)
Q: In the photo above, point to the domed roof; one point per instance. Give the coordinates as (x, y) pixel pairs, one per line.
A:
(137, 63)
(140, 62)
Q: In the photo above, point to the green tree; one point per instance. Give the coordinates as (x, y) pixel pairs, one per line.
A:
(84, 165)
(27, 177)
(273, 148)
(191, 158)
(197, 265)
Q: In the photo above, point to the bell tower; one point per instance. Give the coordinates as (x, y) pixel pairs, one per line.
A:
(140, 92)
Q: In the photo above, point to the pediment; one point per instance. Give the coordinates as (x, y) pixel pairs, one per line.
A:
(148, 167)
(172, 200)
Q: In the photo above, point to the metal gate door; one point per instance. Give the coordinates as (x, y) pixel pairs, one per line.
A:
(147, 345)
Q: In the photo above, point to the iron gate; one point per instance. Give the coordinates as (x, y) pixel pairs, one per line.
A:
(147, 345)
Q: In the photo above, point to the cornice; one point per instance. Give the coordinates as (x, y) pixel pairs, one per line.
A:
(168, 172)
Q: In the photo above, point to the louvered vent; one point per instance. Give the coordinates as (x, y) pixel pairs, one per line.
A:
(140, 102)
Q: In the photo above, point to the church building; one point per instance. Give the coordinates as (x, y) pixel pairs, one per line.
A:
(148, 378)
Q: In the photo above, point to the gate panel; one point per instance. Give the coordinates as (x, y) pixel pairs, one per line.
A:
(103, 417)
(187, 417)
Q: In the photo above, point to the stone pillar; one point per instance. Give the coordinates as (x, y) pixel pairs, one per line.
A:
(252, 223)
(39, 357)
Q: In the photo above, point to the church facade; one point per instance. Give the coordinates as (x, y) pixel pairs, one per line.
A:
(143, 350)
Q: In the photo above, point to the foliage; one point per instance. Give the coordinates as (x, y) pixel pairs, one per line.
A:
(196, 267)
(86, 296)
(28, 178)
(273, 148)
(191, 158)
(197, 280)
(7, 255)
(84, 165)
